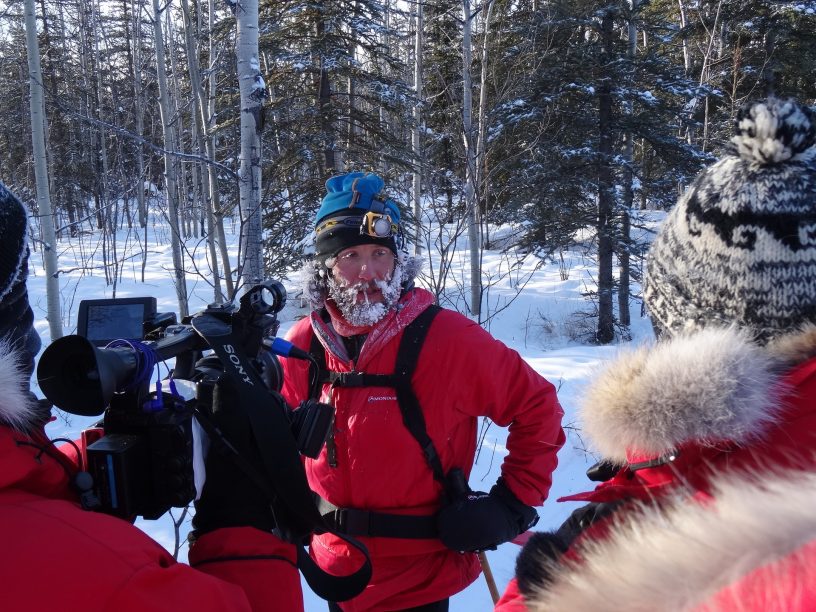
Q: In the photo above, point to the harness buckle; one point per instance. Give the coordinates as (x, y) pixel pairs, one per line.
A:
(346, 379)
(352, 521)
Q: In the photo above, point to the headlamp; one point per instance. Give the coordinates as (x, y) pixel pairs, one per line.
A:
(376, 225)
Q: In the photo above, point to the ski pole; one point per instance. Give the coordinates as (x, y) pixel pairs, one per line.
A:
(488, 574)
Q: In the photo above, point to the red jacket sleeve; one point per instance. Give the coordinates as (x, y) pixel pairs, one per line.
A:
(505, 389)
(264, 566)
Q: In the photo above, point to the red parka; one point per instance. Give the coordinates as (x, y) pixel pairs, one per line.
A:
(749, 546)
(686, 418)
(57, 556)
(462, 373)
(724, 406)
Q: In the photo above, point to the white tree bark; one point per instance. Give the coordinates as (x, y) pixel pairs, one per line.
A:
(218, 214)
(41, 174)
(170, 190)
(249, 79)
(138, 111)
(479, 165)
(474, 237)
(202, 121)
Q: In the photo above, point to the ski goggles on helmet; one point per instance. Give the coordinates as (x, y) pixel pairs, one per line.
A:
(374, 224)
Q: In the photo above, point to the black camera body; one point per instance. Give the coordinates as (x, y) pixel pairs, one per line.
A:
(142, 461)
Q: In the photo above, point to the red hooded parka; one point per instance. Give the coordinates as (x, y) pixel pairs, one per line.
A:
(58, 556)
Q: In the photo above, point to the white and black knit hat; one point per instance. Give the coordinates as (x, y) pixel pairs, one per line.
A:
(740, 246)
(16, 317)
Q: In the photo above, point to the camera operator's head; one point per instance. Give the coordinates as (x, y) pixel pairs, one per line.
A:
(359, 264)
(19, 341)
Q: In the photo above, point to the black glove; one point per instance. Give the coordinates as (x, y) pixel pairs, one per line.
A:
(536, 561)
(542, 553)
(481, 521)
(230, 497)
(582, 518)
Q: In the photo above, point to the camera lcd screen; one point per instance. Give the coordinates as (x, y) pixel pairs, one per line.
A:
(101, 321)
(115, 321)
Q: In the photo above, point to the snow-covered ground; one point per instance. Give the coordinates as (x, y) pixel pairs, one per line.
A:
(540, 323)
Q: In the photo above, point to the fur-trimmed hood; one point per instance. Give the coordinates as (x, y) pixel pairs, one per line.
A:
(715, 384)
(17, 407)
(680, 558)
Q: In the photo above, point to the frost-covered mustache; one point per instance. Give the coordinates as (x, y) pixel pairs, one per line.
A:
(365, 312)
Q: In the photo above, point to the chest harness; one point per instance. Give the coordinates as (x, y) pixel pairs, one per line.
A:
(358, 522)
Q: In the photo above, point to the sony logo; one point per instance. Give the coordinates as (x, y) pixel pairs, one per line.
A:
(236, 362)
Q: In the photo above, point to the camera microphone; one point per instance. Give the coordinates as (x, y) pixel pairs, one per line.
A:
(285, 348)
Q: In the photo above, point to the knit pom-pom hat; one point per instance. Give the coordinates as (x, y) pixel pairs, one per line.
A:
(740, 246)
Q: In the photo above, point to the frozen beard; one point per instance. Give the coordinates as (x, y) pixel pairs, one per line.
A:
(366, 313)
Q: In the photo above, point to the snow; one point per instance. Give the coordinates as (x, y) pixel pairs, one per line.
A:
(541, 323)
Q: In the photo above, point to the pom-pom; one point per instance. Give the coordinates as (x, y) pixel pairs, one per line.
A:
(774, 131)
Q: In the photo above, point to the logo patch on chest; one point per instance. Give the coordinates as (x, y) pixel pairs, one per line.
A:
(382, 398)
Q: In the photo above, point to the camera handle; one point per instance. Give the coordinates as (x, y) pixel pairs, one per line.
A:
(296, 513)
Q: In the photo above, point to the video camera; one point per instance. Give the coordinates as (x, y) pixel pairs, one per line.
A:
(141, 460)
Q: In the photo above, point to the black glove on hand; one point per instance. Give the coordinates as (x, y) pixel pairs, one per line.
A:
(482, 521)
(231, 498)
(582, 518)
(536, 561)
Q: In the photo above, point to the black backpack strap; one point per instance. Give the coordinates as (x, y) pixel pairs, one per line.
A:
(344, 379)
(407, 356)
(318, 351)
(359, 379)
(356, 522)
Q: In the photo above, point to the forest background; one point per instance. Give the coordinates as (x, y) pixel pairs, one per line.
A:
(187, 142)
(549, 117)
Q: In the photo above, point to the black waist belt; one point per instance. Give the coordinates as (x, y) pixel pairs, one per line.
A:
(354, 522)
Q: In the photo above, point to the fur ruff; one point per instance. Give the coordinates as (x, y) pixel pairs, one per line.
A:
(16, 407)
(712, 385)
(679, 558)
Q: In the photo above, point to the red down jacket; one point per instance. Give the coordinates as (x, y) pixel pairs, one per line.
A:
(708, 417)
(58, 556)
(462, 373)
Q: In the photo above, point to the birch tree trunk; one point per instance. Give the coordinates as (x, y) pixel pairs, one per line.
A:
(110, 213)
(170, 190)
(416, 134)
(41, 173)
(202, 121)
(217, 213)
(135, 60)
(252, 96)
(180, 170)
(471, 207)
(481, 158)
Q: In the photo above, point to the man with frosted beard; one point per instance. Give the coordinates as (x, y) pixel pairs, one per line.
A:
(408, 381)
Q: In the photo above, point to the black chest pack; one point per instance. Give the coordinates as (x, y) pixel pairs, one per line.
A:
(359, 522)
